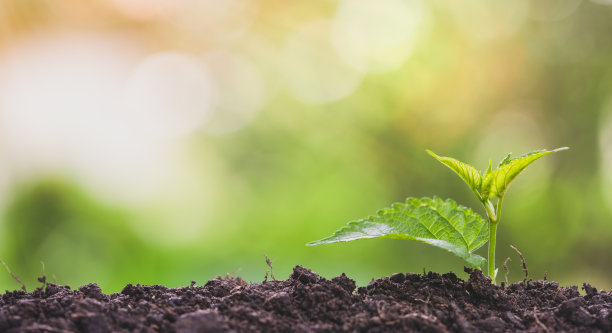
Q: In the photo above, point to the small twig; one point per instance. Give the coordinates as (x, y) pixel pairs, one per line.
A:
(43, 279)
(522, 261)
(506, 268)
(229, 275)
(23, 287)
(537, 320)
(269, 263)
(545, 275)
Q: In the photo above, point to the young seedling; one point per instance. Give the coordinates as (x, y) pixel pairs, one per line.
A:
(444, 223)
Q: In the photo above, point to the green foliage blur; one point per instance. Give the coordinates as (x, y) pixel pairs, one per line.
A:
(474, 86)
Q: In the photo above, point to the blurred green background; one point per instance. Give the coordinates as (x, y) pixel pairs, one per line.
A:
(163, 141)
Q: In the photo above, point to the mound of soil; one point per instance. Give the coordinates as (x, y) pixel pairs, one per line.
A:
(307, 302)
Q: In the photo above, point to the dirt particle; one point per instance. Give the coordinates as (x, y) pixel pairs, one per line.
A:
(304, 275)
(492, 324)
(344, 282)
(514, 320)
(590, 291)
(201, 321)
(413, 277)
(92, 290)
(398, 277)
(91, 322)
(574, 310)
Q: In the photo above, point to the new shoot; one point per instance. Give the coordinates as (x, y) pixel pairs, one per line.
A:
(444, 223)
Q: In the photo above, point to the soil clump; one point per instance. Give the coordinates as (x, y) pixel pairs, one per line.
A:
(306, 302)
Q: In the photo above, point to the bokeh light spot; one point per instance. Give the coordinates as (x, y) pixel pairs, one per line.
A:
(58, 94)
(313, 69)
(168, 94)
(220, 21)
(483, 21)
(377, 35)
(145, 9)
(553, 10)
(239, 91)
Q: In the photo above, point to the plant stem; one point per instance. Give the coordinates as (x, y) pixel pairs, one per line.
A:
(494, 214)
(498, 209)
(491, 213)
(492, 238)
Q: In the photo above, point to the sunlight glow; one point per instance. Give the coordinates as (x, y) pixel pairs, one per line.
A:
(63, 110)
(57, 88)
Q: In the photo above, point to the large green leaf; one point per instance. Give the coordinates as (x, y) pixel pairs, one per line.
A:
(496, 183)
(434, 221)
(468, 173)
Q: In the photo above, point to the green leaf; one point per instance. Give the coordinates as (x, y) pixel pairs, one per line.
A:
(440, 223)
(496, 183)
(468, 173)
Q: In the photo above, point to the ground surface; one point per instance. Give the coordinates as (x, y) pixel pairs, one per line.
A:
(308, 303)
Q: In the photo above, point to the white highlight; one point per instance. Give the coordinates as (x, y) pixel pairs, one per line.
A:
(63, 110)
(58, 96)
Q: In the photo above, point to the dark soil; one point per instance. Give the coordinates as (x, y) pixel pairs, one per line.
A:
(307, 302)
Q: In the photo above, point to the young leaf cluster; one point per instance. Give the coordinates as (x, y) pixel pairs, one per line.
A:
(492, 183)
(444, 223)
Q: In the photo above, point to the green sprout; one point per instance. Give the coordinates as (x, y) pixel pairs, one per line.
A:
(444, 223)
